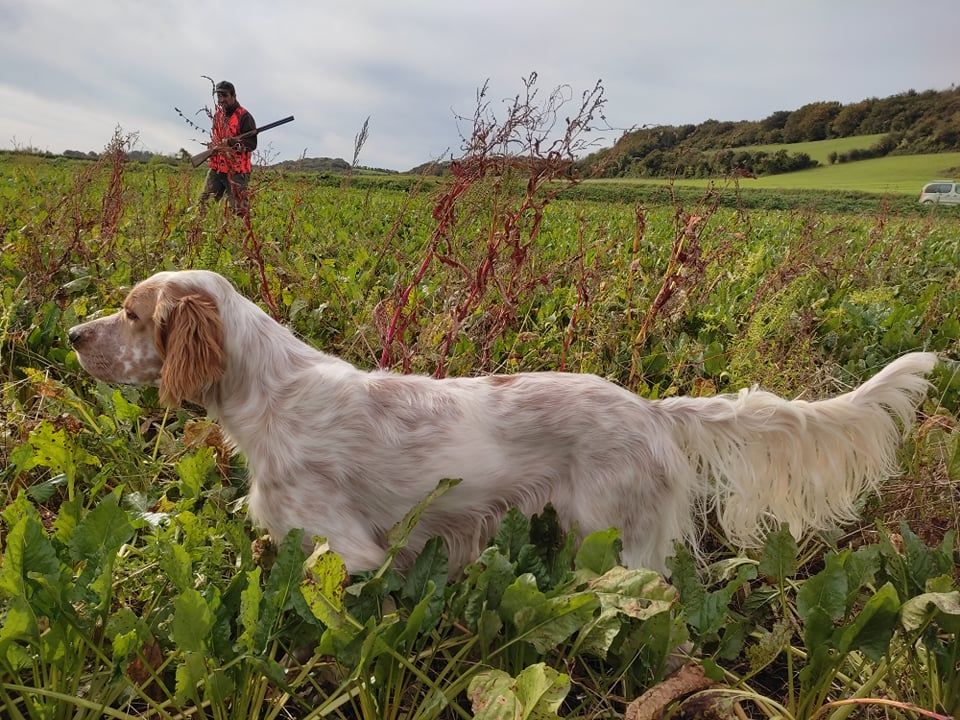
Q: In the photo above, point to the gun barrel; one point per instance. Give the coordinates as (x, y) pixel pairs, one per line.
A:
(201, 157)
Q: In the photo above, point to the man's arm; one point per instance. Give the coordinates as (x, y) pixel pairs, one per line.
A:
(247, 123)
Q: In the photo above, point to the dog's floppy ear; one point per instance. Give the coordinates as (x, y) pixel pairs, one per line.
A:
(189, 336)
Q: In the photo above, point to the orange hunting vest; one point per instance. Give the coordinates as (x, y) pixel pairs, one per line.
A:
(224, 127)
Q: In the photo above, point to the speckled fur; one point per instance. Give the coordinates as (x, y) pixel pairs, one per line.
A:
(346, 453)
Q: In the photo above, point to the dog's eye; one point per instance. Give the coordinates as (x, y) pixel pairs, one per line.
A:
(131, 315)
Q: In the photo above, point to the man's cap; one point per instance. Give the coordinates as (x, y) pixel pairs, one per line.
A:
(225, 86)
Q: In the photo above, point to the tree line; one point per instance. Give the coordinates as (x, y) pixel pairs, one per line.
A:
(912, 123)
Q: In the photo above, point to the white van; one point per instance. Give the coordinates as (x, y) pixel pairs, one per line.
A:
(940, 193)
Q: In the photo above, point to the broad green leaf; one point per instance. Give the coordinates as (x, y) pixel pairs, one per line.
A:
(68, 518)
(20, 508)
(706, 611)
(492, 696)
(124, 409)
(176, 565)
(769, 646)
(546, 533)
(192, 621)
(598, 634)
(250, 599)
(431, 565)
(556, 619)
(287, 570)
(862, 567)
(421, 617)
(599, 551)
(826, 591)
(127, 631)
(493, 574)
(940, 584)
(949, 546)
(733, 638)
(365, 598)
(193, 471)
(640, 594)
(344, 643)
(541, 690)
(124, 645)
(530, 560)
(872, 628)
(101, 533)
(714, 359)
(894, 564)
(520, 600)
(28, 551)
(323, 590)
(222, 638)
(554, 545)
(18, 625)
(50, 449)
(489, 625)
(513, 534)
(53, 449)
(22, 457)
(923, 562)
(219, 688)
(778, 559)
(817, 627)
(536, 693)
(41, 492)
(945, 606)
(55, 642)
(654, 640)
(190, 672)
(820, 667)
(949, 328)
(685, 577)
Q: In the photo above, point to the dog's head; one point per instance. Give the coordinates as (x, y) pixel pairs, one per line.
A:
(168, 333)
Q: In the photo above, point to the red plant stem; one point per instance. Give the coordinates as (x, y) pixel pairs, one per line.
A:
(444, 215)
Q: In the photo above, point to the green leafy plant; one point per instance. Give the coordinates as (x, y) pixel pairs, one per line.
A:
(133, 586)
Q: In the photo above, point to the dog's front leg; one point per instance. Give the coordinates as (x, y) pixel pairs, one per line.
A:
(359, 550)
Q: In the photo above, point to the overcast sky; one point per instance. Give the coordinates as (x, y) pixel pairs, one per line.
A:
(71, 71)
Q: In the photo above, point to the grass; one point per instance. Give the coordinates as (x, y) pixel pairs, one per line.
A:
(895, 174)
(819, 150)
(902, 175)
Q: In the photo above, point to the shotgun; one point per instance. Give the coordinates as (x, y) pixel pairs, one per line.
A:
(199, 158)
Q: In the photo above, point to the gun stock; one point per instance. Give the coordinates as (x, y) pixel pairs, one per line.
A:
(201, 157)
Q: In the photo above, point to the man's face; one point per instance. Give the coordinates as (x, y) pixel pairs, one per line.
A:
(226, 99)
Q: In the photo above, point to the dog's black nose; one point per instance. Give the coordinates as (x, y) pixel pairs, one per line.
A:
(74, 335)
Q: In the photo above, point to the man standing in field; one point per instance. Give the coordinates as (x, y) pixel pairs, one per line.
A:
(230, 165)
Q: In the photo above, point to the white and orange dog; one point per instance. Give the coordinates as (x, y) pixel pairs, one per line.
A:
(345, 453)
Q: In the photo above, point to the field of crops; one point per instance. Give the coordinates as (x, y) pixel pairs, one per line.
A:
(133, 585)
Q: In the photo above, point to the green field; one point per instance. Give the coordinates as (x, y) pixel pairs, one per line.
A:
(819, 150)
(133, 585)
(891, 175)
(901, 174)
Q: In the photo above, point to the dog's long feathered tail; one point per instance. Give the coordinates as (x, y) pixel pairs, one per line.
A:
(758, 459)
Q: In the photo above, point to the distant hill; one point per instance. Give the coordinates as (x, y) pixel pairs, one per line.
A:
(320, 164)
(431, 168)
(328, 165)
(317, 165)
(905, 124)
